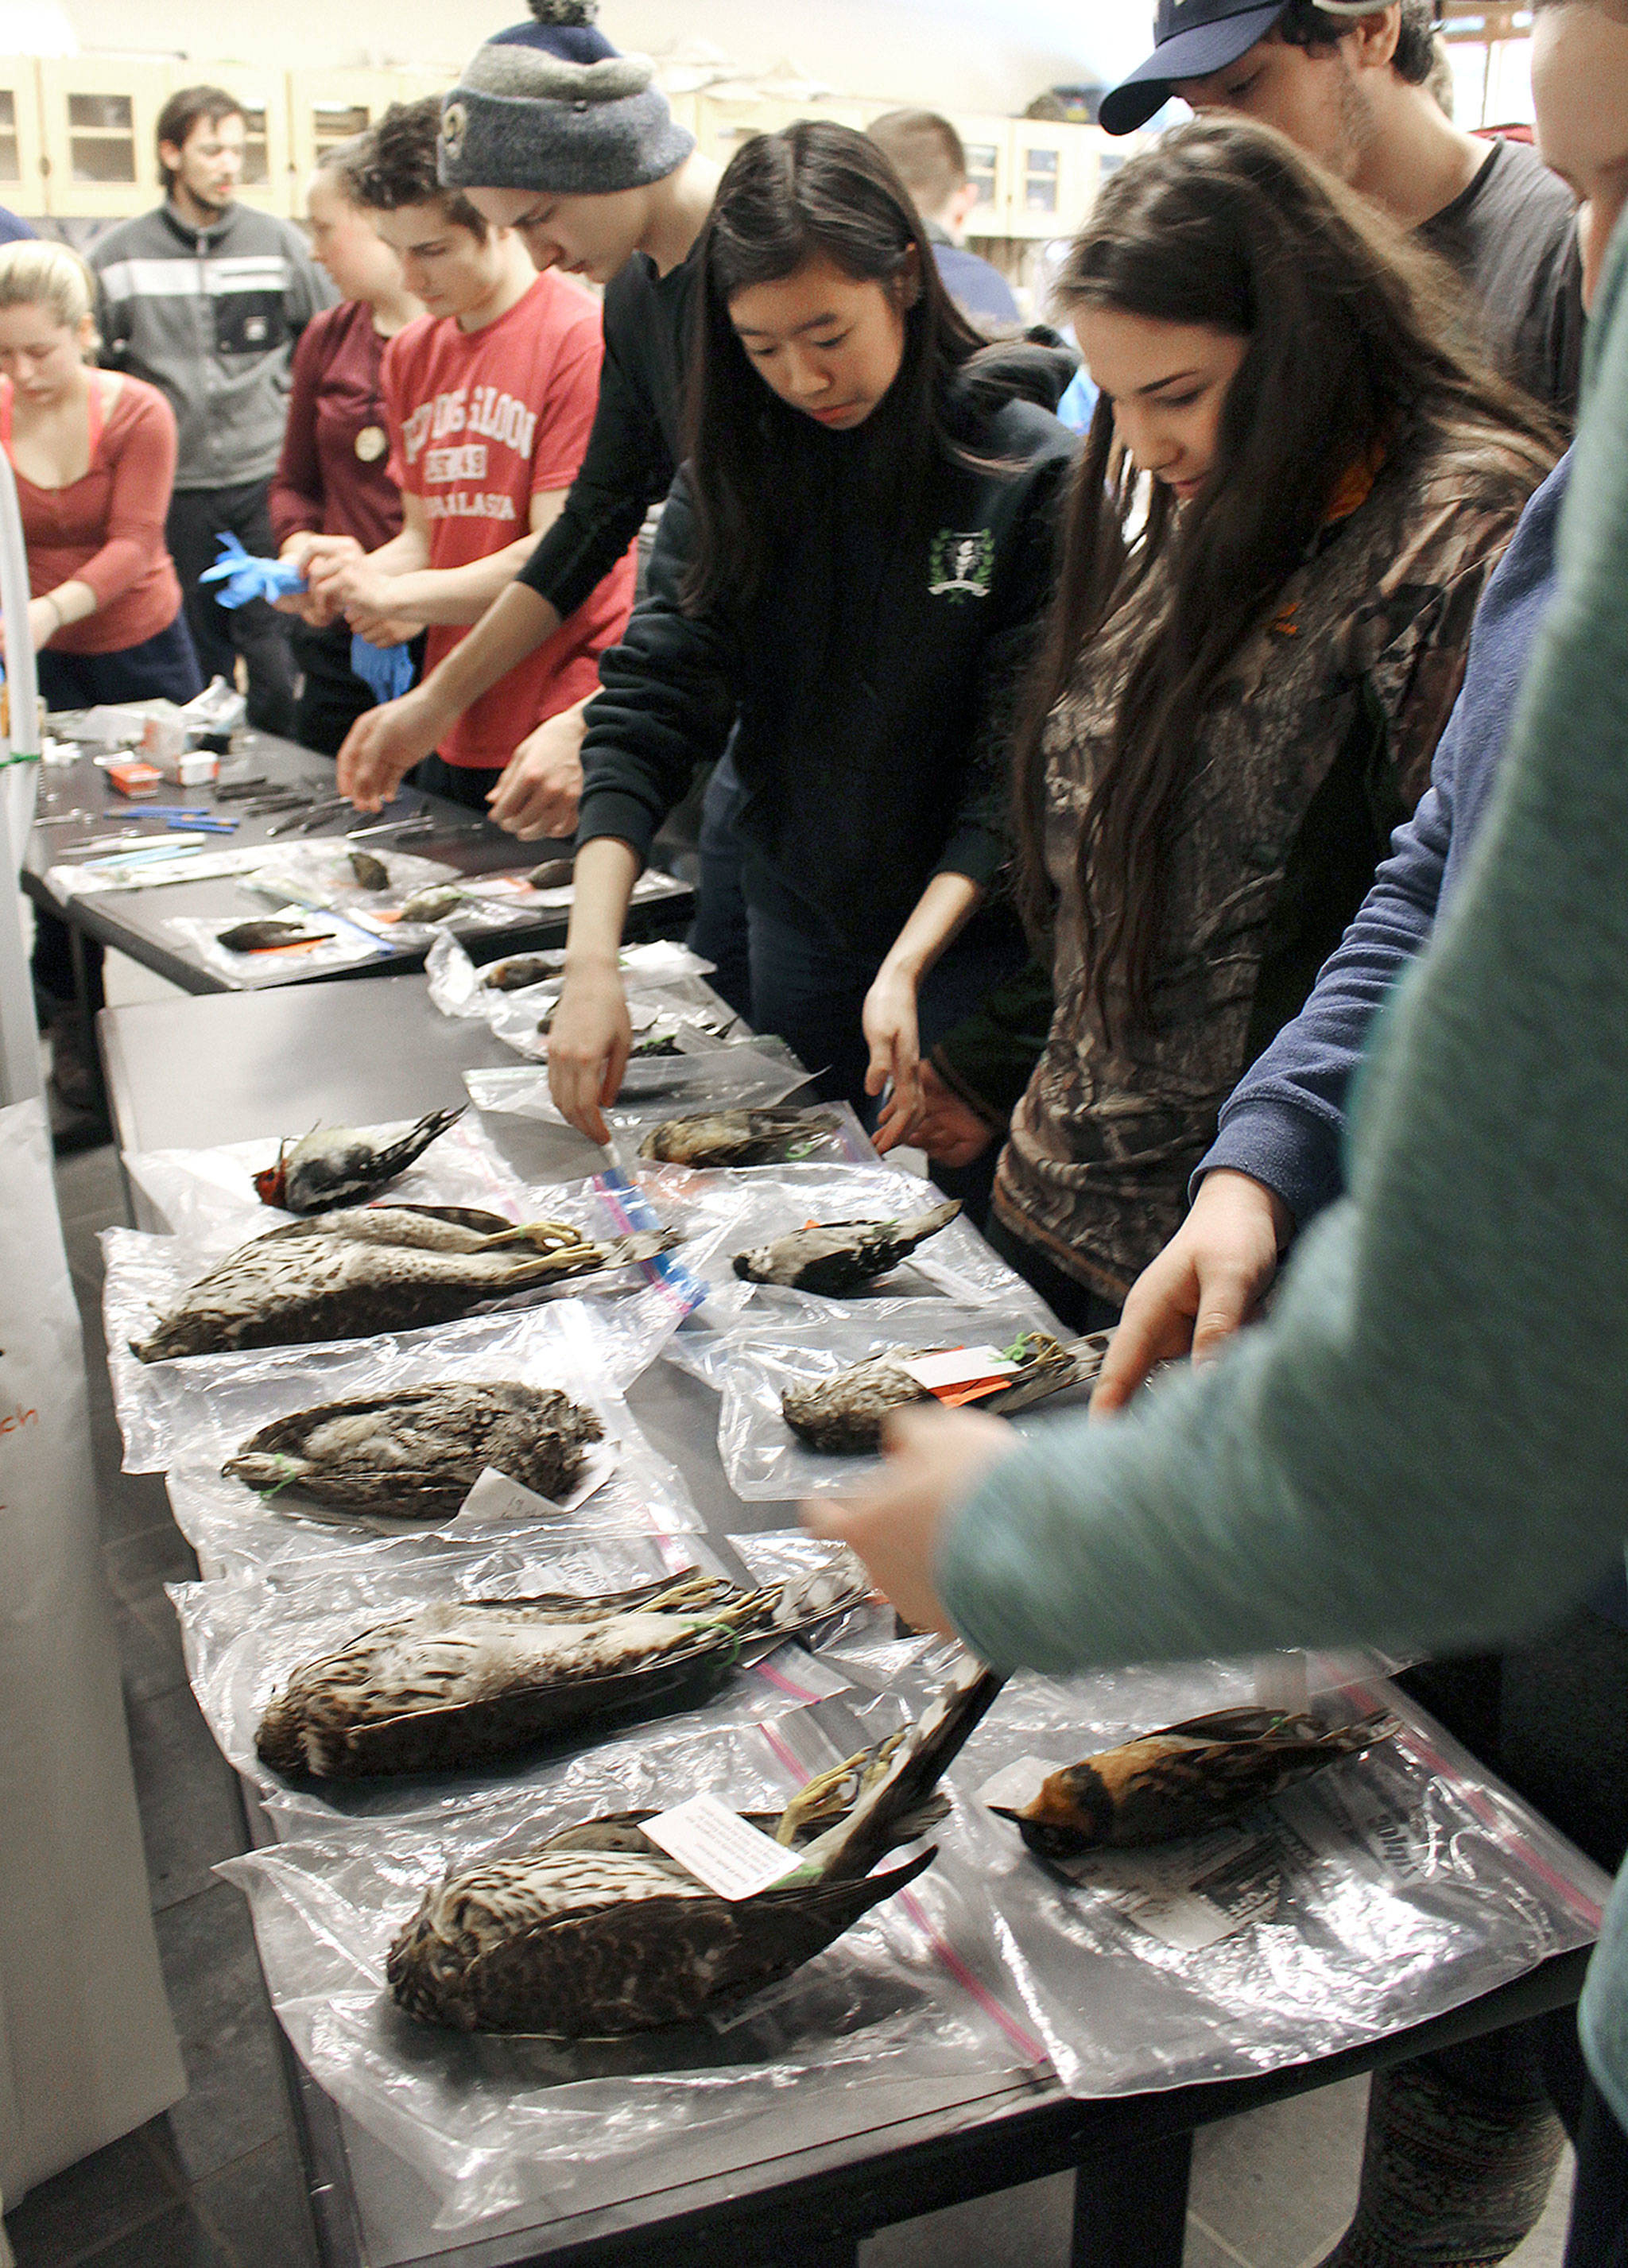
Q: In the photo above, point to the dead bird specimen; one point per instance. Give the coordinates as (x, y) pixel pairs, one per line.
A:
(415, 1453)
(843, 1416)
(552, 874)
(371, 872)
(597, 1933)
(1185, 1779)
(433, 904)
(377, 1268)
(454, 1684)
(737, 1138)
(514, 976)
(270, 936)
(337, 1166)
(835, 1257)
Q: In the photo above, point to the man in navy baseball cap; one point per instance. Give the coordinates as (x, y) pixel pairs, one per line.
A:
(1348, 82)
(1191, 39)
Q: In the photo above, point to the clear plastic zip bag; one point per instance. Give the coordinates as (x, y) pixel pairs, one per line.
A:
(586, 1353)
(208, 1196)
(667, 1000)
(146, 1277)
(244, 1640)
(767, 1203)
(1388, 1888)
(670, 1086)
(758, 1361)
(913, 1992)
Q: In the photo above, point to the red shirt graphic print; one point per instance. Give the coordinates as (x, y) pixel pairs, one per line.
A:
(480, 423)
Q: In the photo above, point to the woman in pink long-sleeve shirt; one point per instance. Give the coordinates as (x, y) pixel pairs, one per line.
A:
(94, 457)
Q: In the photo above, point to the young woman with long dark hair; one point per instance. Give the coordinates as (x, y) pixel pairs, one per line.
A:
(845, 589)
(1248, 662)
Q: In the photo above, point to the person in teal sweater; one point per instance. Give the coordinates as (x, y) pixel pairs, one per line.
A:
(1423, 1446)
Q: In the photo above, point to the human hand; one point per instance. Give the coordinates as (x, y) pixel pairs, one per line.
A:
(589, 1042)
(889, 1023)
(895, 1521)
(948, 1129)
(44, 620)
(541, 786)
(384, 744)
(296, 553)
(1206, 1284)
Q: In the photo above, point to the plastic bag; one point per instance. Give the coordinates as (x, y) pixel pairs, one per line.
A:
(1385, 1890)
(336, 942)
(245, 1639)
(457, 988)
(318, 874)
(765, 1202)
(730, 1079)
(582, 1352)
(208, 1195)
(666, 994)
(755, 1361)
(144, 1277)
(913, 1992)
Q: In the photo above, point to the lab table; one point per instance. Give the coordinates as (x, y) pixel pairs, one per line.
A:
(198, 1072)
(137, 921)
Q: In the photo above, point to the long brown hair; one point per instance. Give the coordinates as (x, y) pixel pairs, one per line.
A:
(816, 190)
(1356, 346)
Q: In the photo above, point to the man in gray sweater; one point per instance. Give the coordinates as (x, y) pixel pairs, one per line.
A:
(205, 297)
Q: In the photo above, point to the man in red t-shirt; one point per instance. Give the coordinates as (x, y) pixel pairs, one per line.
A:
(489, 398)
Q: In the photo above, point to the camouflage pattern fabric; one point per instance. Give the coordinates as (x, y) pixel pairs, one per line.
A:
(1370, 634)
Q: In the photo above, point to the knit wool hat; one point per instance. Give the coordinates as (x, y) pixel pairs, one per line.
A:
(552, 106)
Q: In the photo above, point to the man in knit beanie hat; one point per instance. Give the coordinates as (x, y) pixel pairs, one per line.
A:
(552, 133)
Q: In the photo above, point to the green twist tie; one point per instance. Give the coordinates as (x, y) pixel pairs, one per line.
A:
(277, 1487)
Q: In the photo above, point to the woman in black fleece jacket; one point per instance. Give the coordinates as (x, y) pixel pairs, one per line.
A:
(847, 579)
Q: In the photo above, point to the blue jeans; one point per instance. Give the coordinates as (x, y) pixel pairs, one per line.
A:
(163, 666)
(811, 992)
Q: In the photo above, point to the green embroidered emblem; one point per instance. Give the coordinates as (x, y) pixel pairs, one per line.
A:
(959, 566)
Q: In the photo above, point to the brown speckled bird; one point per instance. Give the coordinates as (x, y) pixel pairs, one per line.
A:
(597, 1933)
(1184, 1779)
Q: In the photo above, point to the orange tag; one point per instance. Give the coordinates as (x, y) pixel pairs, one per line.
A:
(957, 1397)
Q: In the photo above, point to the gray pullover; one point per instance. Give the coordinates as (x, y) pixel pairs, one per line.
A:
(211, 316)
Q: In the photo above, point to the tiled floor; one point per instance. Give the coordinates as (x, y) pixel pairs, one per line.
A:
(216, 2183)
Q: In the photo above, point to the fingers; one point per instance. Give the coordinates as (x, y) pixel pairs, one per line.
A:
(1157, 1326)
(1227, 1299)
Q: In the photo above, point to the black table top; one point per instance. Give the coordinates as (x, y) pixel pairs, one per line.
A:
(136, 922)
(197, 1072)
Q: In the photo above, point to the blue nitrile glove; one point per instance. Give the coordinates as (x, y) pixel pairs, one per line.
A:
(385, 670)
(242, 577)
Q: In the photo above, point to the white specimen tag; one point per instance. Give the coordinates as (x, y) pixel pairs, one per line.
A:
(720, 1848)
(958, 1366)
(496, 1500)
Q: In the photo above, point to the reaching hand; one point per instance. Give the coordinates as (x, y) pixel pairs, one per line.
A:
(948, 1129)
(542, 784)
(888, 1019)
(895, 1521)
(1206, 1284)
(384, 744)
(589, 1042)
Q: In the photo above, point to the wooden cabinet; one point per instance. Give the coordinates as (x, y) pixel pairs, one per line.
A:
(22, 149)
(327, 106)
(267, 157)
(987, 140)
(1052, 172)
(99, 116)
(725, 121)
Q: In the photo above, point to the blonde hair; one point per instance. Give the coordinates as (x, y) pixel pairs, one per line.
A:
(37, 274)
